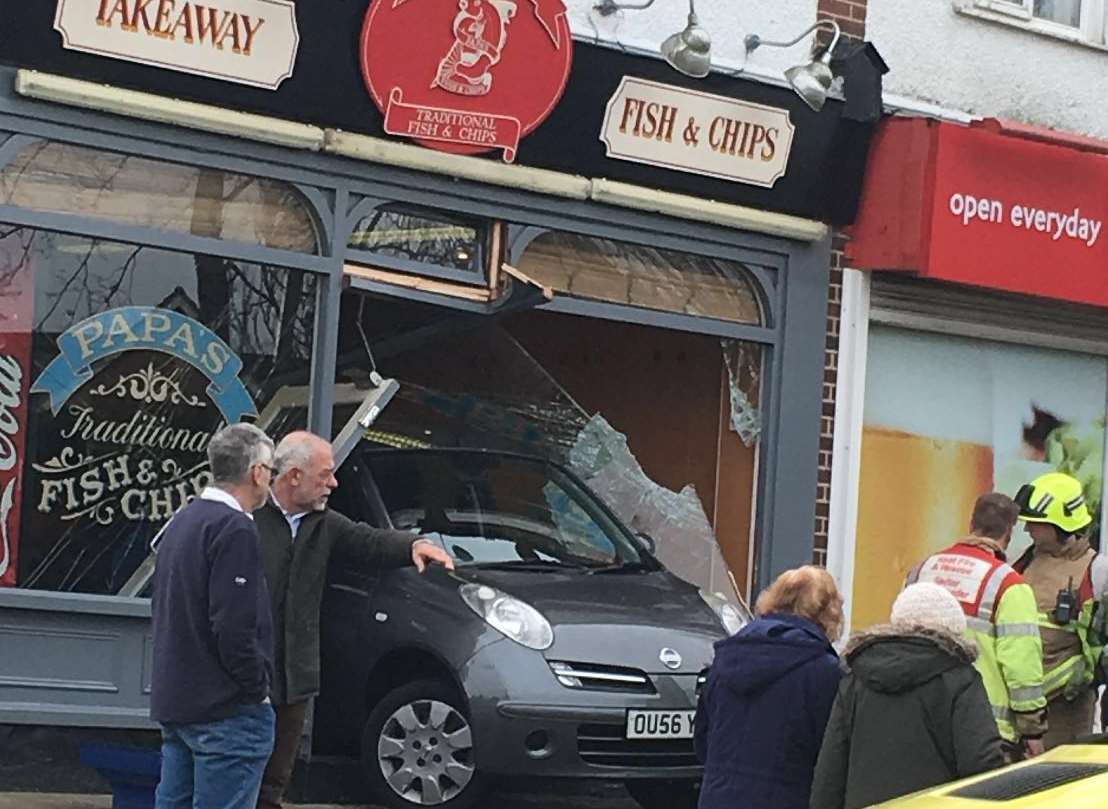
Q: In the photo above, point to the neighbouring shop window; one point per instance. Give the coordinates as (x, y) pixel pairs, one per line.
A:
(117, 363)
(637, 275)
(662, 424)
(135, 191)
(948, 419)
(1063, 12)
(413, 236)
(1070, 20)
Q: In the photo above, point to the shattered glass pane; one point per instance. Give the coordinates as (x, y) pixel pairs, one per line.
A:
(471, 383)
(675, 520)
(742, 361)
(498, 397)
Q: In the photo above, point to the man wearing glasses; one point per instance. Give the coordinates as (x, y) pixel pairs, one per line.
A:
(298, 534)
(213, 635)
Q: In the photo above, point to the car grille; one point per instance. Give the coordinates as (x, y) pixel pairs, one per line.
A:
(605, 745)
(1028, 780)
(597, 677)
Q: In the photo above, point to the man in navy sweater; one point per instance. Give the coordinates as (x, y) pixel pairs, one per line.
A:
(213, 635)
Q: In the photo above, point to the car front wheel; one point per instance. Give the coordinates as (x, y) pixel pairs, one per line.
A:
(664, 794)
(417, 748)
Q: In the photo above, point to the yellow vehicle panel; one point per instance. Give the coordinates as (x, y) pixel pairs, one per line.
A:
(1071, 777)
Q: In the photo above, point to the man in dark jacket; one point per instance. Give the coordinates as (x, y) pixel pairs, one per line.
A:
(912, 713)
(213, 637)
(769, 692)
(298, 534)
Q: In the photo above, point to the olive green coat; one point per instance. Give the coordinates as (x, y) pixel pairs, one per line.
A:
(296, 573)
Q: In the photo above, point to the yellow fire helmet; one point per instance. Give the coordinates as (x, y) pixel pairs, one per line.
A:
(1057, 499)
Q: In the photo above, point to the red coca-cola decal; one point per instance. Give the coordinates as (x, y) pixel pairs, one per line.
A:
(466, 76)
(16, 310)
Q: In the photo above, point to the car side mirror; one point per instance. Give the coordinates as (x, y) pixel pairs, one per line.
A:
(647, 542)
(461, 554)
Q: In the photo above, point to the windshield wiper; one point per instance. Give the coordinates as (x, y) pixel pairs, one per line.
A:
(542, 565)
(624, 567)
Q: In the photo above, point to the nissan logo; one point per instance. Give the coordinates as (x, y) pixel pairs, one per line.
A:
(670, 658)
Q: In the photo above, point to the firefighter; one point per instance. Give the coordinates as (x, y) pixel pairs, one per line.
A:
(1069, 580)
(1001, 619)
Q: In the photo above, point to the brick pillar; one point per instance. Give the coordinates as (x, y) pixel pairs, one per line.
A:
(827, 418)
(849, 14)
(851, 17)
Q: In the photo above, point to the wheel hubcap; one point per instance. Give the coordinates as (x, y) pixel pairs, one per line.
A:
(425, 752)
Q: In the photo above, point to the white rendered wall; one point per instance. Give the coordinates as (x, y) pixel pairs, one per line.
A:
(728, 21)
(989, 69)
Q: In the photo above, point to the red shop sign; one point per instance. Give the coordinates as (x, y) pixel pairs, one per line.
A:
(975, 206)
(466, 76)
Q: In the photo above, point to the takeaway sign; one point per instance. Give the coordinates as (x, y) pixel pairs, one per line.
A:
(250, 42)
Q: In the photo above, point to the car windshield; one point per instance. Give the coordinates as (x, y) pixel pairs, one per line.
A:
(497, 509)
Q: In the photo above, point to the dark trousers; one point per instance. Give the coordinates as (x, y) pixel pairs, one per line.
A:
(1068, 719)
(278, 772)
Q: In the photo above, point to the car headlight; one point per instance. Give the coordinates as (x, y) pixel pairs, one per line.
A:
(508, 615)
(732, 618)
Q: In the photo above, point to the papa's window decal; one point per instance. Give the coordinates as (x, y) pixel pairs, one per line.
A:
(133, 445)
(133, 328)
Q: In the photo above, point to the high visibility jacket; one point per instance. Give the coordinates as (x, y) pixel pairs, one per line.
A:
(1071, 651)
(1002, 620)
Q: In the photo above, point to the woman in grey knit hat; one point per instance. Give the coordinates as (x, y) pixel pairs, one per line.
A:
(912, 712)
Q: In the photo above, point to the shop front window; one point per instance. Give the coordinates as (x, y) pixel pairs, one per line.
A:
(117, 363)
(415, 239)
(638, 275)
(62, 178)
(663, 425)
(948, 419)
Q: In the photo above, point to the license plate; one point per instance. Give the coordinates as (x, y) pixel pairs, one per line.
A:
(660, 724)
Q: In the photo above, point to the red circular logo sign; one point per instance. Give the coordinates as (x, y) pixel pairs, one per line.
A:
(466, 76)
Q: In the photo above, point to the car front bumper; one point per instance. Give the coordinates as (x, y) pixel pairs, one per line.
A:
(526, 723)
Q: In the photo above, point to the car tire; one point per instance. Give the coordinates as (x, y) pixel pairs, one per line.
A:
(417, 749)
(664, 794)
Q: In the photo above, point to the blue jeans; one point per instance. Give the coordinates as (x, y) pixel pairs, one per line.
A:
(216, 765)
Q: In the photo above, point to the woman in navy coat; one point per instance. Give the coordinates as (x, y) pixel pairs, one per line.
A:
(769, 693)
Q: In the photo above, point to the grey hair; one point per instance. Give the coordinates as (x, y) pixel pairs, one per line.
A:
(295, 451)
(234, 449)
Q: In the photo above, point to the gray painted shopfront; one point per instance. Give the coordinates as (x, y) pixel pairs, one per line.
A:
(79, 659)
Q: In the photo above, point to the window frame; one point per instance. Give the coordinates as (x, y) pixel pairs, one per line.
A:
(282, 397)
(1092, 32)
(482, 261)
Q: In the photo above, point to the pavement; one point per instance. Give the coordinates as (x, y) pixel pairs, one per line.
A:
(597, 796)
(38, 800)
(35, 800)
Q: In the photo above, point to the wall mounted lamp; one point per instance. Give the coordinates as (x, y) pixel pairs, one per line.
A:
(811, 80)
(689, 51)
